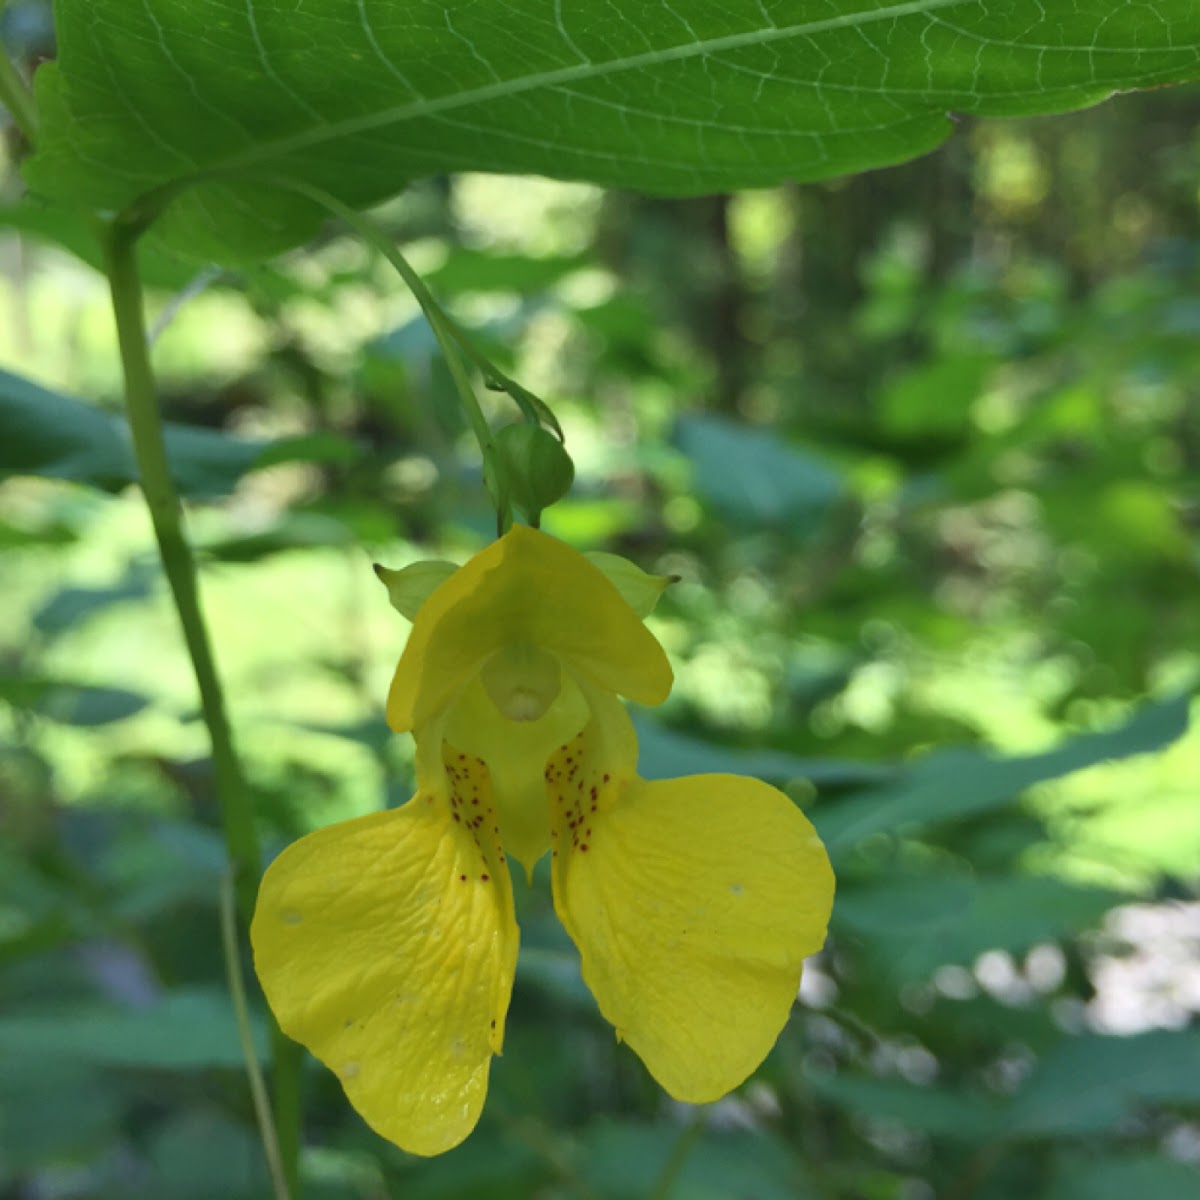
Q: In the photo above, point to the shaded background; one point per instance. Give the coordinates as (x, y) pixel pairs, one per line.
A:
(922, 447)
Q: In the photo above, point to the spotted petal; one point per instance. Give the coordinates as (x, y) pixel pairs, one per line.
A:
(516, 753)
(693, 903)
(386, 945)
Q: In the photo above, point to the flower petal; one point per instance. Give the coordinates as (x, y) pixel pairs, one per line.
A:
(693, 903)
(386, 945)
(525, 588)
(640, 590)
(516, 753)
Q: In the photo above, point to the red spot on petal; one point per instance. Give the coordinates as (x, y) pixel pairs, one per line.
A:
(483, 879)
(583, 848)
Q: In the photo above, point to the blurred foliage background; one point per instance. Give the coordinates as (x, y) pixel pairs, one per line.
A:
(922, 448)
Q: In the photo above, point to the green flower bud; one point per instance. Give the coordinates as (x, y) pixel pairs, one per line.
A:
(534, 467)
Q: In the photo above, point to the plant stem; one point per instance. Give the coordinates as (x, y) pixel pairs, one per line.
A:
(17, 98)
(684, 1145)
(166, 515)
(449, 337)
(237, 990)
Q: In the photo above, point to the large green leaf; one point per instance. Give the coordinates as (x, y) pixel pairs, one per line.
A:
(752, 477)
(46, 433)
(916, 925)
(71, 703)
(358, 96)
(49, 434)
(959, 783)
(185, 1030)
(665, 753)
(1118, 1177)
(623, 1161)
(1089, 1085)
(937, 1111)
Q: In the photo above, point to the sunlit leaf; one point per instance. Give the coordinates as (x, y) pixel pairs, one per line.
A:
(954, 784)
(358, 96)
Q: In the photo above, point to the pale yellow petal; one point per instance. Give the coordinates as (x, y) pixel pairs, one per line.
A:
(525, 588)
(409, 587)
(386, 945)
(639, 589)
(693, 903)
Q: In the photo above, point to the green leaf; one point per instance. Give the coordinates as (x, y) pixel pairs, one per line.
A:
(71, 703)
(1119, 1177)
(666, 754)
(467, 270)
(185, 1030)
(75, 232)
(294, 531)
(71, 606)
(624, 1162)
(359, 96)
(199, 1155)
(1088, 1085)
(49, 434)
(960, 783)
(921, 924)
(959, 1115)
(933, 401)
(45, 433)
(753, 477)
(50, 1111)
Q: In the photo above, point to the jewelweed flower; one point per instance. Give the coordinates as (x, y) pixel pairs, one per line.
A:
(387, 944)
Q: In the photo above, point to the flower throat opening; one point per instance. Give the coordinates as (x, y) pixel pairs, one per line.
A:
(522, 681)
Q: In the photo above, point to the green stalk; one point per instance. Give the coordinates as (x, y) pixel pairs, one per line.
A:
(680, 1152)
(17, 98)
(144, 211)
(443, 327)
(237, 991)
(166, 515)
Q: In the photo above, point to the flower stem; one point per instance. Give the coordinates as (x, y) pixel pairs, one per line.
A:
(17, 98)
(166, 515)
(684, 1145)
(237, 990)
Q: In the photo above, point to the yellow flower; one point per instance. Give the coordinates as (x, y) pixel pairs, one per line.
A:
(387, 944)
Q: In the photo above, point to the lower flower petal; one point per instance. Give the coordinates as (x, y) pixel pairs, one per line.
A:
(693, 903)
(386, 945)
